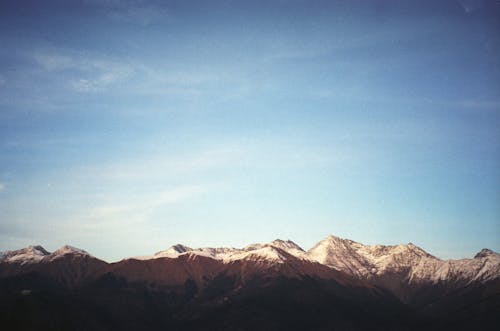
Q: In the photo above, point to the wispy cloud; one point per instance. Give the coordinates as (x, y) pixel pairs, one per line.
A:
(89, 72)
(148, 166)
(136, 210)
(2, 187)
(147, 201)
(99, 82)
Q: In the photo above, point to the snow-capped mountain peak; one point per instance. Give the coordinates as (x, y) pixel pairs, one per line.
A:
(286, 245)
(67, 249)
(173, 251)
(418, 250)
(340, 254)
(179, 248)
(365, 261)
(33, 254)
(410, 263)
(485, 252)
(379, 265)
(28, 254)
(36, 250)
(230, 254)
(265, 253)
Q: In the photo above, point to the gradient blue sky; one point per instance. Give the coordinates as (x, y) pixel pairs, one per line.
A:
(129, 126)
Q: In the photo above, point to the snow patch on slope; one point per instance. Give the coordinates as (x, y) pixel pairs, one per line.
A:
(30, 254)
(35, 254)
(479, 269)
(267, 253)
(373, 261)
(173, 251)
(67, 249)
(256, 251)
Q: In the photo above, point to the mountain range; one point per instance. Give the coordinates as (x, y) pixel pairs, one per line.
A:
(338, 284)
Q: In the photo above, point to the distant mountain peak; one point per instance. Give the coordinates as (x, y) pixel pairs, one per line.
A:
(173, 251)
(265, 253)
(363, 260)
(409, 248)
(485, 252)
(286, 245)
(334, 241)
(230, 254)
(37, 249)
(375, 264)
(333, 238)
(32, 253)
(67, 249)
(179, 248)
(224, 275)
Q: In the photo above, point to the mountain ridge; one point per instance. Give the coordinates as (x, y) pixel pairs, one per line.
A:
(178, 249)
(379, 265)
(400, 287)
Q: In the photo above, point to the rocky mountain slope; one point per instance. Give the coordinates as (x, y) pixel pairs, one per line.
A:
(405, 269)
(418, 265)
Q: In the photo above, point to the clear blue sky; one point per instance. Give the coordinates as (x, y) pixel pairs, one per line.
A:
(129, 126)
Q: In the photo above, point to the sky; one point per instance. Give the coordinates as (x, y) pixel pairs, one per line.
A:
(129, 126)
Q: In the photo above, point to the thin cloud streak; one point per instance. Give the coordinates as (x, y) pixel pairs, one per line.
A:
(143, 167)
(144, 203)
(84, 72)
(246, 155)
(93, 73)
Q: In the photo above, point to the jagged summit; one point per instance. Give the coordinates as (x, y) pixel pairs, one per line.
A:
(367, 262)
(36, 253)
(380, 263)
(33, 249)
(485, 252)
(173, 251)
(229, 254)
(363, 260)
(334, 237)
(351, 257)
(179, 248)
(27, 254)
(406, 271)
(286, 244)
(265, 253)
(37, 249)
